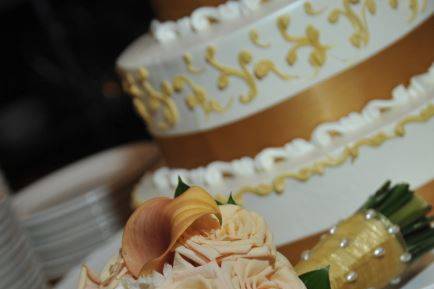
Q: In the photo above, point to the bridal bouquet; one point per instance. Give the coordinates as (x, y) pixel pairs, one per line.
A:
(194, 242)
(375, 247)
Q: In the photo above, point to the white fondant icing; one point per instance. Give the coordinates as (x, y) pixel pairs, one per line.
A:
(420, 90)
(202, 18)
(165, 62)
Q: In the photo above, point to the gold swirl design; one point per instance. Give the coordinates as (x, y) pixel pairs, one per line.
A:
(157, 100)
(226, 72)
(264, 67)
(255, 39)
(361, 35)
(317, 57)
(414, 7)
(363, 238)
(350, 153)
(188, 61)
(309, 10)
(424, 5)
(393, 3)
(425, 115)
(199, 97)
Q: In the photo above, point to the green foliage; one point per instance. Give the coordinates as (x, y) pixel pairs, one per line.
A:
(318, 279)
(181, 188)
(231, 200)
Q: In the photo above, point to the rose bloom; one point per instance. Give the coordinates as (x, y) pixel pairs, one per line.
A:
(238, 255)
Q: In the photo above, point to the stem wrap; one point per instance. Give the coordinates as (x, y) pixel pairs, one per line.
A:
(357, 254)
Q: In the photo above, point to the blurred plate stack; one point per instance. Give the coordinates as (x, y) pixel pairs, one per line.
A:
(74, 210)
(19, 267)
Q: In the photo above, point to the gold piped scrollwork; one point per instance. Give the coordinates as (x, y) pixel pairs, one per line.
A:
(360, 37)
(148, 100)
(414, 6)
(310, 10)
(198, 96)
(349, 153)
(393, 3)
(255, 39)
(317, 57)
(188, 61)
(264, 67)
(226, 72)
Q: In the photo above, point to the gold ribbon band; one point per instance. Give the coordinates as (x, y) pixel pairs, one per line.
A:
(369, 258)
(297, 117)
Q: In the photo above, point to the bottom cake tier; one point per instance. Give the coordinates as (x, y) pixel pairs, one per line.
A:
(305, 187)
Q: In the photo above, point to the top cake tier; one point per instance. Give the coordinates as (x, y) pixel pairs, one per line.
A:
(272, 74)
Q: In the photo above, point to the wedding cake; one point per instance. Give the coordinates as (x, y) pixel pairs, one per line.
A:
(294, 107)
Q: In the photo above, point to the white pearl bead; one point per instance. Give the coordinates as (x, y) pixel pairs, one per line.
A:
(344, 243)
(393, 230)
(351, 277)
(379, 252)
(305, 255)
(405, 258)
(395, 281)
(333, 230)
(370, 214)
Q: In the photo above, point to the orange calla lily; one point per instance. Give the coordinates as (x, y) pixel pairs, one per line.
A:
(155, 227)
(88, 280)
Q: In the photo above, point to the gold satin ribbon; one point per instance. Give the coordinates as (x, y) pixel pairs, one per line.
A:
(358, 259)
(297, 117)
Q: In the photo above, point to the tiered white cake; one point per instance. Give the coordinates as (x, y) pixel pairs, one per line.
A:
(327, 99)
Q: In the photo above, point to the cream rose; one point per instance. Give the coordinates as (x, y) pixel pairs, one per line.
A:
(239, 273)
(242, 234)
(238, 255)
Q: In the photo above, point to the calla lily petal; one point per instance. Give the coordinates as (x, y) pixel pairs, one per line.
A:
(88, 280)
(155, 227)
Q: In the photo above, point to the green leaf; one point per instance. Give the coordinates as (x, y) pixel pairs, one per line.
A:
(399, 196)
(375, 200)
(318, 279)
(231, 200)
(411, 211)
(181, 188)
(417, 226)
(219, 203)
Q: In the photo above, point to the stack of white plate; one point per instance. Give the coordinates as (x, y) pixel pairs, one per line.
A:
(71, 212)
(19, 267)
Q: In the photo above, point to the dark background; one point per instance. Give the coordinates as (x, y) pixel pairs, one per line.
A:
(61, 99)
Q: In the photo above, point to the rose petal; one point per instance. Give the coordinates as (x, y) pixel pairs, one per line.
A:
(155, 227)
(88, 280)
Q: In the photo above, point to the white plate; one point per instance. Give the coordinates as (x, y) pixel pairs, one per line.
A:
(27, 280)
(78, 229)
(35, 281)
(58, 267)
(9, 251)
(84, 218)
(105, 195)
(20, 265)
(9, 231)
(48, 197)
(78, 243)
(96, 261)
